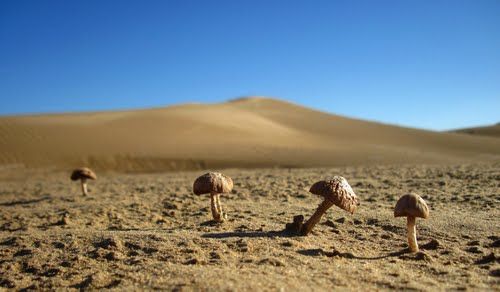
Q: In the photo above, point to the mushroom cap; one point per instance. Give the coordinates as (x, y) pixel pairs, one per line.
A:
(338, 191)
(411, 205)
(212, 182)
(83, 172)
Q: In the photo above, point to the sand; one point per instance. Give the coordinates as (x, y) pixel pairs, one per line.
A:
(141, 227)
(244, 133)
(149, 231)
(492, 131)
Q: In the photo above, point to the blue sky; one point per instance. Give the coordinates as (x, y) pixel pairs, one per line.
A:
(426, 64)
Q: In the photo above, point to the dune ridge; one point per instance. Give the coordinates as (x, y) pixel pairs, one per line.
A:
(491, 131)
(247, 132)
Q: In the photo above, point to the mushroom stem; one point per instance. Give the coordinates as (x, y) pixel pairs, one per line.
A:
(222, 215)
(84, 187)
(412, 234)
(308, 226)
(214, 207)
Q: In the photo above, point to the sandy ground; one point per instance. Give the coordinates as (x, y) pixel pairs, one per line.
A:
(149, 231)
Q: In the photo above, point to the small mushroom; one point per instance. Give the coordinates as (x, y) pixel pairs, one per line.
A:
(411, 206)
(83, 174)
(335, 191)
(214, 183)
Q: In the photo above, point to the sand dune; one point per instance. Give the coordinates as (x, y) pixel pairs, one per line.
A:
(248, 132)
(492, 131)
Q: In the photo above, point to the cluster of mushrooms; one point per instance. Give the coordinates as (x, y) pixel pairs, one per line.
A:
(335, 191)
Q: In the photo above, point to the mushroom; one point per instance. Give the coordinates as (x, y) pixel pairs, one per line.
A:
(214, 183)
(411, 206)
(83, 174)
(335, 191)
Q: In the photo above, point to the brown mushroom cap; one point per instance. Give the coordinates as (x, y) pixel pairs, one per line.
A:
(338, 191)
(411, 205)
(83, 172)
(212, 182)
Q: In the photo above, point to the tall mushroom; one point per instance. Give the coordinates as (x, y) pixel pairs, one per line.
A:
(335, 191)
(214, 183)
(83, 174)
(411, 206)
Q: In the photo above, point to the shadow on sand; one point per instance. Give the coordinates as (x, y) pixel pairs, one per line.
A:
(249, 234)
(404, 254)
(25, 202)
(348, 255)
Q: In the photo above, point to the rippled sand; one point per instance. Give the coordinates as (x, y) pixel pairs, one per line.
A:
(149, 231)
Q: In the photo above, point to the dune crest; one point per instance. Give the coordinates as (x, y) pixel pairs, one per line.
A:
(246, 132)
(491, 131)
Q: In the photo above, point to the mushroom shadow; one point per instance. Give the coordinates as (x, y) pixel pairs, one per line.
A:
(210, 223)
(24, 202)
(348, 255)
(248, 234)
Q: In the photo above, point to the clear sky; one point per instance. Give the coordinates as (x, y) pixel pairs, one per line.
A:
(428, 64)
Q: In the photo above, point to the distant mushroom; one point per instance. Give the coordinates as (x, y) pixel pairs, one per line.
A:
(214, 183)
(411, 206)
(335, 191)
(83, 174)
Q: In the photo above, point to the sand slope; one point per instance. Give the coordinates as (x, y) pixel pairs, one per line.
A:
(248, 132)
(492, 131)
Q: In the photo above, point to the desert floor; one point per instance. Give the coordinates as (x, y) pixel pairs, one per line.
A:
(149, 231)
